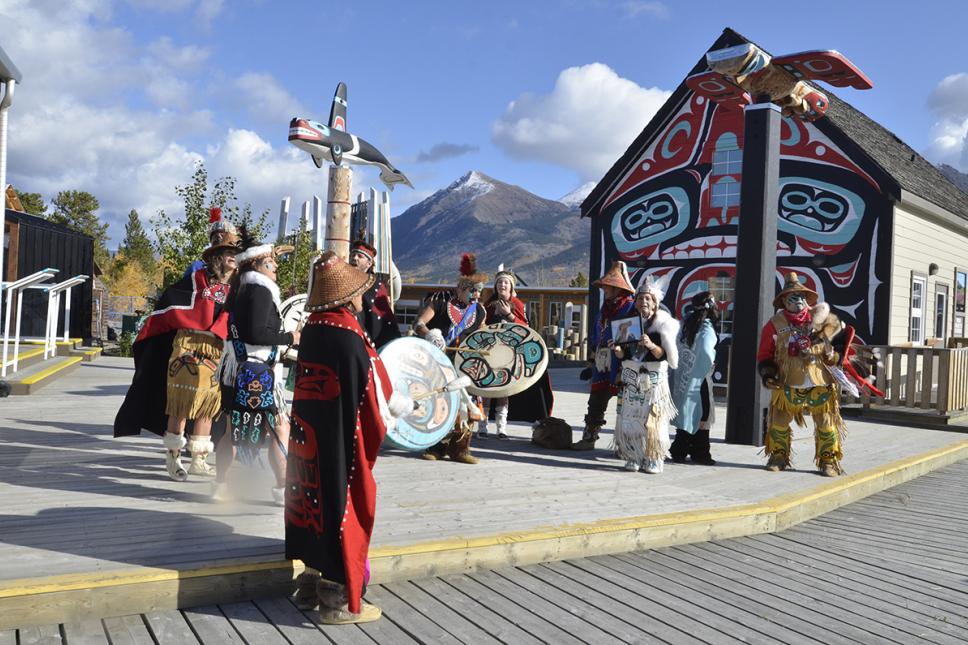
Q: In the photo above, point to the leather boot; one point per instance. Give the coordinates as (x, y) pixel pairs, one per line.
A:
(778, 461)
(681, 446)
(173, 447)
(700, 448)
(200, 447)
(588, 438)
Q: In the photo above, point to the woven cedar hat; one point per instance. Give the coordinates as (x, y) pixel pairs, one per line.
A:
(616, 276)
(793, 285)
(335, 282)
(468, 270)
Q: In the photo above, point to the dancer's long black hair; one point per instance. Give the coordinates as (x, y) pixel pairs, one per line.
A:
(704, 307)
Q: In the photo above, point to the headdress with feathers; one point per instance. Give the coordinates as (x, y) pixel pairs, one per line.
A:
(252, 248)
(655, 286)
(468, 270)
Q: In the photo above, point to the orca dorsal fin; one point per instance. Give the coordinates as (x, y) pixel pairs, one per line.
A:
(337, 114)
(318, 161)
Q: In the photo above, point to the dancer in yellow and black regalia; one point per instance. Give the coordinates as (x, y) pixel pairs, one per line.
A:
(799, 361)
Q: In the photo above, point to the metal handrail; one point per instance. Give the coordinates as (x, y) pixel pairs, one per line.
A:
(53, 310)
(17, 287)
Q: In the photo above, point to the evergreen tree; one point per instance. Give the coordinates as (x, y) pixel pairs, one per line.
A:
(136, 246)
(76, 209)
(579, 280)
(33, 203)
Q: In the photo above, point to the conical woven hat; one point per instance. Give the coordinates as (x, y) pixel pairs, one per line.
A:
(335, 282)
(616, 276)
(793, 285)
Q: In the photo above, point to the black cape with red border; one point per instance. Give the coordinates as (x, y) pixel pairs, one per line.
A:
(336, 433)
(190, 303)
(377, 317)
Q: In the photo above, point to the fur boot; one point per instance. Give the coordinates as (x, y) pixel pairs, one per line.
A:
(200, 447)
(173, 447)
(588, 437)
(501, 420)
(459, 448)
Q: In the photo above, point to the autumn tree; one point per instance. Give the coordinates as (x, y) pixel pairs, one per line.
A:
(136, 247)
(293, 272)
(77, 210)
(180, 241)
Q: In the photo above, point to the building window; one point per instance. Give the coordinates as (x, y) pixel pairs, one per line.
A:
(941, 311)
(918, 285)
(723, 289)
(406, 312)
(554, 316)
(725, 193)
(728, 162)
(531, 312)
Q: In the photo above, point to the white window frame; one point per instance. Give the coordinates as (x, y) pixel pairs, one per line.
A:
(917, 309)
(725, 193)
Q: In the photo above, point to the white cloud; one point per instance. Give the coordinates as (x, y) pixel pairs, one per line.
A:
(585, 123)
(266, 99)
(949, 102)
(642, 7)
(208, 10)
(99, 111)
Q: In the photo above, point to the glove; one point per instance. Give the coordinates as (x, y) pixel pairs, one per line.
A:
(585, 374)
(769, 373)
(436, 338)
(400, 404)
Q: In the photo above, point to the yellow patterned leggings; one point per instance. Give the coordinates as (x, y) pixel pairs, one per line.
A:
(788, 405)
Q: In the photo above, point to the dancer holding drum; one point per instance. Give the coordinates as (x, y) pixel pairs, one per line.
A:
(445, 319)
(502, 307)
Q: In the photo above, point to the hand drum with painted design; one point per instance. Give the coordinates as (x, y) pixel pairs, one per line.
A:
(502, 359)
(292, 312)
(422, 372)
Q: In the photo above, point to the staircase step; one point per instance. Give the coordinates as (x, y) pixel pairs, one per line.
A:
(87, 353)
(29, 355)
(36, 376)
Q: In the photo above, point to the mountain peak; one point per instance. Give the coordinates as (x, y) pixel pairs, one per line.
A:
(477, 182)
(577, 196)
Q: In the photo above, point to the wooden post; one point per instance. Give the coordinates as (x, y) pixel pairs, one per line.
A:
(338, 211)
(748, 401)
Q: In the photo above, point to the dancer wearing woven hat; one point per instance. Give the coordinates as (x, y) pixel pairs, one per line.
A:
(253, 402)
(377, 318)
(176, 356)
(797, 359)
(447, 317)
(618, 303)
(645, 403)
(341, 408)
(503, 306)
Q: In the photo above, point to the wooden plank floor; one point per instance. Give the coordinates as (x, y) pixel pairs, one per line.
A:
(824, 581)
(78, 501)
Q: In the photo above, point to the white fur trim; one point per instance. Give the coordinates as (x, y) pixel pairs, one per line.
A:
(254, 277)
(819, 314)
(174, 441)
(253, 253)
(668, 329)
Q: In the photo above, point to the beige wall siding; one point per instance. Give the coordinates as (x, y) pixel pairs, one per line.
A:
(920, 240)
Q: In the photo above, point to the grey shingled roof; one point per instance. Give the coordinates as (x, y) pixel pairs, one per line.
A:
(910, 170)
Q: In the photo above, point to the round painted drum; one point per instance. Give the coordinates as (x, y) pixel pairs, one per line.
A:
(292, 311)
(502, 359)
(417, 368)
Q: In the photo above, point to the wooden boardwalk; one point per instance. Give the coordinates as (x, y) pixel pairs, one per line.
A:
(84, 514)
(888, 569)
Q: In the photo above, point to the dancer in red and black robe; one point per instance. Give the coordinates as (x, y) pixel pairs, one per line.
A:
(341, 406)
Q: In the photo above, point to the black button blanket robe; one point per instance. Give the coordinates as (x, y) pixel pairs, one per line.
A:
(337, 428)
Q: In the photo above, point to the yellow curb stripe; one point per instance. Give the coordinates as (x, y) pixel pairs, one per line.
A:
(40, 341)
(53, 369)
(30, 354)
(772, 506)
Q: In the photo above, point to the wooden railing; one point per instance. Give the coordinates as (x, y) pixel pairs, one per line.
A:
(929, 378)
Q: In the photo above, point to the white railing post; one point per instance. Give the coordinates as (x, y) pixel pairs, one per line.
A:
(17, 287)
(67, 313)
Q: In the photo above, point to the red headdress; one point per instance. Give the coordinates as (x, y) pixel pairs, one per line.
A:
(468, 270)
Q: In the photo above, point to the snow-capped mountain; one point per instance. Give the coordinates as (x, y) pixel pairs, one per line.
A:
(543, 240)
(577, 196)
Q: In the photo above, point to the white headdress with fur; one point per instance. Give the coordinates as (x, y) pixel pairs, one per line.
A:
(656, 286)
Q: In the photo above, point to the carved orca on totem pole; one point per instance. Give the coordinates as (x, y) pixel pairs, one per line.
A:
(744, 74)
(334, 143)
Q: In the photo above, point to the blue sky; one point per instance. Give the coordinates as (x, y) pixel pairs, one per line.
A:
(122, 97)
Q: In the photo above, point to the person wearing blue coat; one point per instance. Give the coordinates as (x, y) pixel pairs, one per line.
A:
(692, 386)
